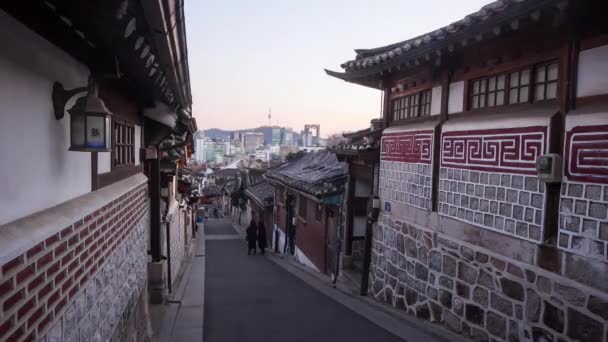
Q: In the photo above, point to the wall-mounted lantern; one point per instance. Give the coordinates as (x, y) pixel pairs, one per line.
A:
(90, 129)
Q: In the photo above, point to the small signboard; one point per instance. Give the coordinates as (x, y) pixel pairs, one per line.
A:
(387, 206)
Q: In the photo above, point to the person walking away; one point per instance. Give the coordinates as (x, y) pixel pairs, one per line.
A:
(262, 237)
(251, 235)
(215, 213)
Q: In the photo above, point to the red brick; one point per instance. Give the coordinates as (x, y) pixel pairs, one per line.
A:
(84, 280)
(6, 287)
(92, 270)
(84, 255)
(35, 317)
(13, 300)
(45, 321)
(66, 232)
(60, 277)
(60, 305)
(51, 240)
(31, 337)
(17, 334)
(35, 283)
(45, 260)
(61, 249)
(53, 269)
(79, 248)
(44, 291)
(73, 291)
(93, 226)
(73, 266)
(67, 258)
(35, 250)
(6, 327)
(84, 232)
(53, 298)
(66, 286)
(26, 273)
(78, 224)
(73, 240)
(88, 218)
(88, 263)
(88, 240)
(25, 308)
(9, 266)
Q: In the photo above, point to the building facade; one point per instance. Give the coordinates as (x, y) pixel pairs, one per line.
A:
(493, 172)
(251, 141)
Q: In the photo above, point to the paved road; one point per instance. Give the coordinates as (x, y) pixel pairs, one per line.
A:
(249, 298)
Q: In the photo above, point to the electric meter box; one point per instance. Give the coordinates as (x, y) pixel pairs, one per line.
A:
(549, 168)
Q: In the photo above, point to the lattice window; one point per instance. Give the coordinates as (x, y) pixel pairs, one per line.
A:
(123, 151)
(412, 106)
(545, 81)
(519, 86)
(488, 92)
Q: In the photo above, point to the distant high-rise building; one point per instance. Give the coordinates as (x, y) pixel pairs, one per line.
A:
(276, 136)
(308, 139)
(199, 146)
(251, 140)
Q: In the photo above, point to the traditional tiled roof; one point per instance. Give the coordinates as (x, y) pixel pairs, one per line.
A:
(318, 174)
(262, 192)
(491, 19)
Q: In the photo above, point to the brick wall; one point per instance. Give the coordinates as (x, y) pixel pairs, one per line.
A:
(78, 282)
(479, 293)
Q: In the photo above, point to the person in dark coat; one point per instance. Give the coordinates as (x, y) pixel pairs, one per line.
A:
(262, 237)
(251, 235)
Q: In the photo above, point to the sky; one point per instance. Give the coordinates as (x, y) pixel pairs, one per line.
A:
(247, 57)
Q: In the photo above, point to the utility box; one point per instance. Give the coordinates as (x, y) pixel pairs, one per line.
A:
(549, 168)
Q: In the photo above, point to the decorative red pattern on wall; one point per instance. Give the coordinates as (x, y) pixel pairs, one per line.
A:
(511, 150)
(38, 285)
(408, 147)
(587, 154)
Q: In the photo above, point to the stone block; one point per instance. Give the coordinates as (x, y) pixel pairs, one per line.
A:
(445, 298)
(553, 317)
(511, 196)
(474, 203)
(518, 212)
(452, 321)
(496, 324)
(505, 209)
(446, 282)
(421, 272)
(598, 306)
(538, 217)
(532, 306)
(598, 210)
(478, 335)
(463, 290)
(478, 218)
(534, 232)
(575, 190)
(449, 266)
(474, 177)
(411, 296)
(501, 304)
(537, 201)
(572, 223)
(580, 207)
(512, 289)
(529, 215)
(524, 198)
(593, 192)
(458, 306)
(517, 182)
(531, 184)
(494, 207)
(480, 296)
(522, 229)
(474, 314)
(540, 334)
(584, 328)
(564, 240)
(466, 272)
(484, 178)
(490, 192)
(467, 253)
(436, 312)
(488, 220)
(470, 189)
(479, 191)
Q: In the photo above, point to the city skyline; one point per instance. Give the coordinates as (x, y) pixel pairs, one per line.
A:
(276, 57)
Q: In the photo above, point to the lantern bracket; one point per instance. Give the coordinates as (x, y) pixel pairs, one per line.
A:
(61, 96)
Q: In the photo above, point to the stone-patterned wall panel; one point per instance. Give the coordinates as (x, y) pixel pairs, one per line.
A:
(487, 178)
(583, 227)
(477, 293)
(405, 168)
(180, 237)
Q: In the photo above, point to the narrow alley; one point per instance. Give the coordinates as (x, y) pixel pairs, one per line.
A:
(249, 298)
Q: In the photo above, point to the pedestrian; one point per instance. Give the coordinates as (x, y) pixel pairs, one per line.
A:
(251, 235)
(262, 237)
(215, 213)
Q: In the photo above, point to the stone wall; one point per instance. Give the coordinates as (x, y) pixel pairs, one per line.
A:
(180, 237)
(478, 293)
(509, 203)
(79, 280)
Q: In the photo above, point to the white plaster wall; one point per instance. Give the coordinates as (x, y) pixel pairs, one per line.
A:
(37, 171)
(456, 97)
(436, 101)
(137, 143)
(359, 223)
(592, 72)
(104, 162)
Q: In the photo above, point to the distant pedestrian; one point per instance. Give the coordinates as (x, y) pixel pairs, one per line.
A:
(216, 214)
(251, 235)
(262, 237)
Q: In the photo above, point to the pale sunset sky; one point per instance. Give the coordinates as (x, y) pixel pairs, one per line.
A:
(247, 56)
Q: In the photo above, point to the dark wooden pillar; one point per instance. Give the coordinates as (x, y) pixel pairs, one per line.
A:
(155, 231)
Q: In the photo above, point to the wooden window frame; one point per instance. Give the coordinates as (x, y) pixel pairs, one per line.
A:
(410, 106)
(120, 147)
(532, 84)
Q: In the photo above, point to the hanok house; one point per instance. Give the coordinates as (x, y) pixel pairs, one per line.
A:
(494, 172)
(361, 150)
(76, 211)
(308, 197)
